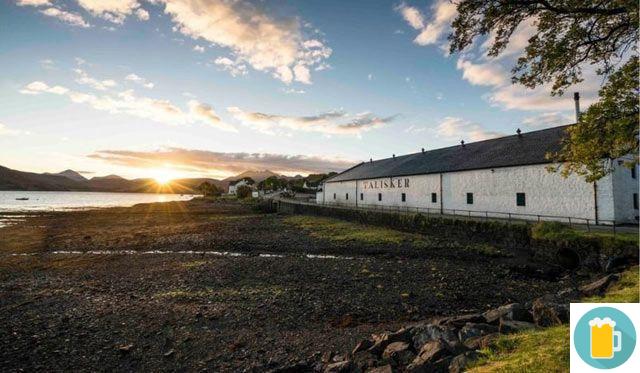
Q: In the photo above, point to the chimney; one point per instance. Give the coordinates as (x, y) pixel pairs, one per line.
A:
(422, 150)
(394, 155)
(370, 160)
(519, 132)
(576, 99)
(462, 143)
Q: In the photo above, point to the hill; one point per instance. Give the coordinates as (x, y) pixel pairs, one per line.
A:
(71, 174)
(18, 180)
(257, 176)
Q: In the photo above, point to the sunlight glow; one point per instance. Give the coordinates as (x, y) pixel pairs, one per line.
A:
(163, 175)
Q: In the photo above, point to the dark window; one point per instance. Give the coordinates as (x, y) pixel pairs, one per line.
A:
(521, 199)
(334, 196)
(404, 197)
(635, 201)
(361, 196)
(379, 196)
(346, 196)
(633, 172)
(434, 197)
(469, 198)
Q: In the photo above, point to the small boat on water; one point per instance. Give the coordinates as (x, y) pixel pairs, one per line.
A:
(22, 199)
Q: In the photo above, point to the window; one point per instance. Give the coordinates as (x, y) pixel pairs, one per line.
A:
(434, 198)
(379, 196)
(521, 199)
(469, 198)
(633, 172)
(635, 201)
(334, 196)
(361, 196)
(404, 197)
(346, 196)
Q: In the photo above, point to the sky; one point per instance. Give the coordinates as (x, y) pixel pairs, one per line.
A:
(213, 87)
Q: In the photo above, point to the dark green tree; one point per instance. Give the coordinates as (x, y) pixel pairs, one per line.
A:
(570, 34)
(243, 191)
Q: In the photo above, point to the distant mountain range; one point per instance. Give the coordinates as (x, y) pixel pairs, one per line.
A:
(70, 180)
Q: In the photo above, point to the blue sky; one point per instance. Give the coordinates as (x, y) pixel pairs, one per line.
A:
(213, 87)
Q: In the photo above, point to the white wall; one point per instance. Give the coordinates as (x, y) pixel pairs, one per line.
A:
(624, 186)
(493, 190)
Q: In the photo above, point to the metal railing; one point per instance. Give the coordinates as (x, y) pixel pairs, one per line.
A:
(578, 222)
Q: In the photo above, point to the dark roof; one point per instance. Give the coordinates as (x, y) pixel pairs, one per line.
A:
(526, 149)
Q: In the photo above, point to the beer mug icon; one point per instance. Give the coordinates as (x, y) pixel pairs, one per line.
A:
(604, 338)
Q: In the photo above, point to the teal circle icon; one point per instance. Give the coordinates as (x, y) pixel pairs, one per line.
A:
(604, 338)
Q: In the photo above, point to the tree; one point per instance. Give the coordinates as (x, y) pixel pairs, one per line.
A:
(608, 130)
(569, 35)
(208, 189)
(243, 191)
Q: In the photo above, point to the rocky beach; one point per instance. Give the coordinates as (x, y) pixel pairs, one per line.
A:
(218, 286)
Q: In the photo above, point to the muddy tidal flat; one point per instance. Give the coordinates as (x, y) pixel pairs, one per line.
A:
(217, 286)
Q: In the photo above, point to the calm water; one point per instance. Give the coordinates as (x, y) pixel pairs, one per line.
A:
(58, 201)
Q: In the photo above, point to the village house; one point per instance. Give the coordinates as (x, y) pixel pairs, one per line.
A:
(499, 177)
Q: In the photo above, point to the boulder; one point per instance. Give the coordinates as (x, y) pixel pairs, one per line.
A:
(547, 311)
(433, 351)
(382, 341)
(339, 367)
(513, 311)
(364, 360)
(460, 321)
(512, 326)
(421, 334)
(480, 342)
(474, 330)
(399, 352)
(459, 362)
(570, 294)
(599, 286)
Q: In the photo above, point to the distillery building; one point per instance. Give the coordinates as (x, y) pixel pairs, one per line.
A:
(497, 177)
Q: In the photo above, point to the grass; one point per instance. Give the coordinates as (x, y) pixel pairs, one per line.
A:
(547, 350)
(550, 230)
(342, 231)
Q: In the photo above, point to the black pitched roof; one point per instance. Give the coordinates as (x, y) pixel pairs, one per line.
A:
(527, 149)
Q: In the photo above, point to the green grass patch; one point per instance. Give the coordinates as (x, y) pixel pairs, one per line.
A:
(626, 290)
(551, 230)
(547, 350)
(343, 231)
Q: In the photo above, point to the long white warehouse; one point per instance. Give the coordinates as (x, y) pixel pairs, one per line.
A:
(494, 177)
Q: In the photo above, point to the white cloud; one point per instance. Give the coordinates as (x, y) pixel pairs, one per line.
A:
(140, 80)
(432, 27)
(101, 85)
(332, 122)
(289, 90)
(235, 68)
(47, 64)
(33, 2)
(453, 128)
(112, 10)
(199, 48)
(545, 120)
(142, 14)
(412, 15)
(267, 44)
(73, 19)
(127, 102)
(224, 163)
(302, 74)
(489, 73)
(370, 77)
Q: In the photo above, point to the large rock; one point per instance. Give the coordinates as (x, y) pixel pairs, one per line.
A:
(459, 363)
(480, 342)
(548, 311)
(364, 359)
(399, 352)
(421, 334)
(460, 321)
(382, 341)
(362, 346)
(383, 369)
(513, 311)
(475, 330)
(599, 286)
(512, 326)
(431, 357)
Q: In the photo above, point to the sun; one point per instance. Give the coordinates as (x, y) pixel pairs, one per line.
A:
(163, 176)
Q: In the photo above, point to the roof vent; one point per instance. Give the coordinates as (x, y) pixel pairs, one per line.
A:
(422, 150)
(462, 142)
(519, 132)
(371, 160)
(394, 155)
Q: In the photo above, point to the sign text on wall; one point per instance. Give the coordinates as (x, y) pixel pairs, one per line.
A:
(387, 183)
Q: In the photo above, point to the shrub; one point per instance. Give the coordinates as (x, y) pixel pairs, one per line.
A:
(243, 191)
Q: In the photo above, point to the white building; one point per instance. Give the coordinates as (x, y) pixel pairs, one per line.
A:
(233, 185)
(494, 177)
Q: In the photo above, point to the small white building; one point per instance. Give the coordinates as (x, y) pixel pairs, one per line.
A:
(493, 178)
(233, 185)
